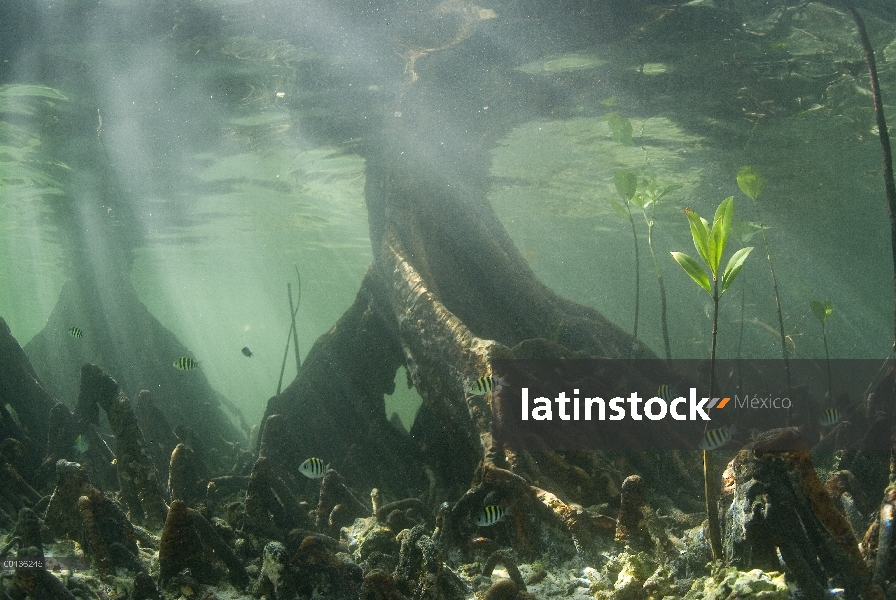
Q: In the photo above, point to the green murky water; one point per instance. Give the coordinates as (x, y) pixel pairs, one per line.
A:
(238, 152)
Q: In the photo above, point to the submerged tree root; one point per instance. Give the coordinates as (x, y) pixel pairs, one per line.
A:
(778, 504)
(140, 485)
(504, 558)
(271, 508)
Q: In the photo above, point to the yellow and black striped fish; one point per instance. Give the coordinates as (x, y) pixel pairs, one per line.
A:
(484, 385)
(666, 392)
(76, 332)
(313, 468)
(830, 417)
(185, 363)
(490, 515)
(716, 438)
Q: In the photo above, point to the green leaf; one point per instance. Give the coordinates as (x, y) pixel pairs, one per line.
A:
(692, 268)
(668, 189)
(822, 310)
(626, 184)
(735, 263)
(700, 234)
(620, 128)
(653, 191)
(750, 181)
(745, 230)
(620, 209)
(718, 238)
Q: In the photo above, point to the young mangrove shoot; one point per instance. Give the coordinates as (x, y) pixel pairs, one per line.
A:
(751, 182)
(626, 186)
(648, 196)
(710, 244)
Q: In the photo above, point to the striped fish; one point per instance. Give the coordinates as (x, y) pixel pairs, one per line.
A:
(830, 417)
(490, 515)
(76, 332)
(666, 392)
(484, 385)
(716, 438)
(313, 468)
(185, 363)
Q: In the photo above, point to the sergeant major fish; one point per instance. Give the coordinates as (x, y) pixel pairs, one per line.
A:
(76, 332)
(667, 392)
(830, 417)
(716, 438)
(185, 363)
(490, 515)
(313, 468)
(485, 384)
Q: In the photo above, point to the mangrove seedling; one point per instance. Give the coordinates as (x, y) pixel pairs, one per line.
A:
(751, 182)
(710, 244)
(621, 129)
(626, 185)
(744, 231)
(822, 312)
(649, 195)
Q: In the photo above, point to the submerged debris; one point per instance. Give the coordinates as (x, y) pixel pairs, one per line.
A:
(157, 432)
(144, 588)
(315, 567)
(777, 505)
(731, 583)
(183, 477)
(630, 525)
(506, 589)
(337, 507)
(271, 508)
(37, 583)
(270, 579)
(16, 492)
(181, 548)
(503, 557)
(82, 513)
(421, 572)
(140, 486)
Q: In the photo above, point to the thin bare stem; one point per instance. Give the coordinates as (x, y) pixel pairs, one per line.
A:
(785, 354)
(631, 220)
(293, 331)
(662, 285)
(887, 154)
(709, 488)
